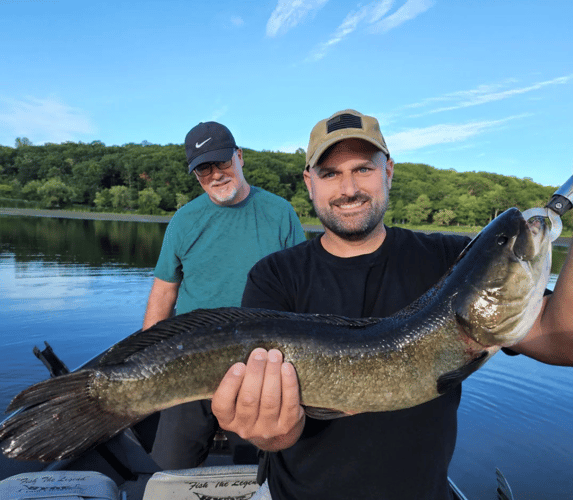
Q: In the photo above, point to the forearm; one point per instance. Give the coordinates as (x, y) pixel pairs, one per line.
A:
(161, 302)
(557, 317)
(155, 313)
(551, 338)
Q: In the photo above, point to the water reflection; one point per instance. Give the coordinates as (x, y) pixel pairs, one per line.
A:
(89, 242)
(100, 242)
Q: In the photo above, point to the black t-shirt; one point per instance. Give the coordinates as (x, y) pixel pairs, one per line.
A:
(386, 455)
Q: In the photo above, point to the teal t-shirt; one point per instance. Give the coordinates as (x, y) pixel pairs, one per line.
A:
(210, 249)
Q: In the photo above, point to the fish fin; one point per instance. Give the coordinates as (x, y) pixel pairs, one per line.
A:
(450, 380)
(59, 419)
(324, 413)
(208, 318)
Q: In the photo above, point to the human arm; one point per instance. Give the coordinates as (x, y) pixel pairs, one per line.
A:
(161, 302)
(551, 338)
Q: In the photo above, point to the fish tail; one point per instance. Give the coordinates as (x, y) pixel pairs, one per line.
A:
(59, 419)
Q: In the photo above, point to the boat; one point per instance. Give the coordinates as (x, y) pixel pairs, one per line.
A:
(121, 469)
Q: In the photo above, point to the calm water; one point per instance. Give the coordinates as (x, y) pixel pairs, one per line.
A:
(83, 285)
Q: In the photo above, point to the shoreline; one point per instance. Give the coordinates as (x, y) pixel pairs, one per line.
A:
(68, 214)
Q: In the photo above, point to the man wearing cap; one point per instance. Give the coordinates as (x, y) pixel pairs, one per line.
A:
(209, 246)
(358, 268)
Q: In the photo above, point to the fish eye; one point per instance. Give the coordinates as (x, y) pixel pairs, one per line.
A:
(502, 240)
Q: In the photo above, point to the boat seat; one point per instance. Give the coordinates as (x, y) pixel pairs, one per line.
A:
(59, 485)
(238, 482)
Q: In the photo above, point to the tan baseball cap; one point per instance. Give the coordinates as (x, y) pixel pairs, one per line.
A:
(347, 124)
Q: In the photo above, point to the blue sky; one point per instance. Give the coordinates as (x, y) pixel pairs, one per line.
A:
(465, 85)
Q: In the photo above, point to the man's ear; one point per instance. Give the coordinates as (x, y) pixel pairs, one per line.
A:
(240, 155)
(308, 182)
(389, 171)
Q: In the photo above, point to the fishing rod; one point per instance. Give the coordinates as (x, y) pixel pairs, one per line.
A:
(561, 202)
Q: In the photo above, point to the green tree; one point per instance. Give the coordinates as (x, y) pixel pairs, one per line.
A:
(301, 204)
(103, 199)
(120, 198)
(468, 210)
(22, 142)
(398, 211)
(30, 190)
(181, 199)
(444, 217)
(6, 190)
(148, 201)
(496, 199)
(419, 211)
(55, 193)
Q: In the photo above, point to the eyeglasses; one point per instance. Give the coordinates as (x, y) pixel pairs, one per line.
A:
(206, 169)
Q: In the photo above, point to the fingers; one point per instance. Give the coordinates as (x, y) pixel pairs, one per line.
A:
(271, 393)
(291, 409)
(259, 400)
(250, 393)
(224, 400)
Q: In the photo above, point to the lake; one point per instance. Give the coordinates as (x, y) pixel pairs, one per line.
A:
(83, 285)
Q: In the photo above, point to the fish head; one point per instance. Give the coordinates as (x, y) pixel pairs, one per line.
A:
(504, 271)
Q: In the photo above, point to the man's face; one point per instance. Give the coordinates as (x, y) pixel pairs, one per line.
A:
(349, 188)
(228, 186)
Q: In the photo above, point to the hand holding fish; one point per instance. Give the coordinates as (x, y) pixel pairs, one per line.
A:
(260, 401)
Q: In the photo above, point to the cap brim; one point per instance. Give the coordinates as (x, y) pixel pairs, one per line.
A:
(209, 156)
(342, 137)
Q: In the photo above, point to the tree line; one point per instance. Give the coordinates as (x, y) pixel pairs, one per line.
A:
(154, 179)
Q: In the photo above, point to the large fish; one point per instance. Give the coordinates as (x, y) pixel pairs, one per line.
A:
(489, 298)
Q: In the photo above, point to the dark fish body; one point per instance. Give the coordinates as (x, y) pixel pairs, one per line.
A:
(490, 298)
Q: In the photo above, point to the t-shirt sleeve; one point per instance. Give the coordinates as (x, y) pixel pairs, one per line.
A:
(169, 267)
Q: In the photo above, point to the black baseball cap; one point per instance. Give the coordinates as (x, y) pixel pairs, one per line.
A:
(207, 142)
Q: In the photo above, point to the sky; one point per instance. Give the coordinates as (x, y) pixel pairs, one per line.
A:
(465, 85)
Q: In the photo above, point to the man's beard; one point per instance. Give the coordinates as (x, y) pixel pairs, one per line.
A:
(225, 198)
(352, 228)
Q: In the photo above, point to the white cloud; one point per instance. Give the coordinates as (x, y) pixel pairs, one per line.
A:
(237, 21)
(219, 112)
(410, 10)
(349, 25)
(289, 13)
(419, 138)
(43, 120)
(372, 13)
(380, 9)
(483, 94)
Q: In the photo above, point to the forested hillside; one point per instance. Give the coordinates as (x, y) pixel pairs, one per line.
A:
(152, 179)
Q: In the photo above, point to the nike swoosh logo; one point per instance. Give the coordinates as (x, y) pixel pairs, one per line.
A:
(197, 145)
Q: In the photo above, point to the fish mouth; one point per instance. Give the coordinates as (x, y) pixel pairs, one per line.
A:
(530, 238)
